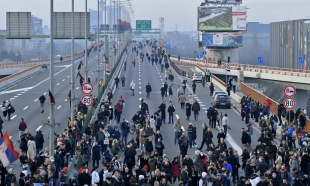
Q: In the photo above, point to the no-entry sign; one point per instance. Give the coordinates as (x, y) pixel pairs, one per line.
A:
(87, 88)
(289, 91)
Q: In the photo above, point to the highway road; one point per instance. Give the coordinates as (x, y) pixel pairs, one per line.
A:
(145, 73)
(24, 97)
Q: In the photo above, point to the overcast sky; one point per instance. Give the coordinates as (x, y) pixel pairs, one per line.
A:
(182, 13)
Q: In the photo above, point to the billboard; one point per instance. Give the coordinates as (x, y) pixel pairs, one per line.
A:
(218, 18)
(224, 1)
(221, 39)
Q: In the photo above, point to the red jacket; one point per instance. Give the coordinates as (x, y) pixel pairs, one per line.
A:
(81, 170)
(204, 161)
(176, 170)
(267, 103)
(22, 126)
(118, 108)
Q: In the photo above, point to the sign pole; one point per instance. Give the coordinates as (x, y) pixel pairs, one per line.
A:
(86, 48)
(98, 60)
(52, 119)
(72, 63)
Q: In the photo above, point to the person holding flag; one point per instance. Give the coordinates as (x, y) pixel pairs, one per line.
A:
(81, 78)
(80, 65)
(7, 153)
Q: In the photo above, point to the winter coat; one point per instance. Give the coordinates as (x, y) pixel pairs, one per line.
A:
(96, 152)
(294, 163)
(31, 149)
(39, 140)
(176, 170)
(182, 99)
(278, 162)
(142, 136)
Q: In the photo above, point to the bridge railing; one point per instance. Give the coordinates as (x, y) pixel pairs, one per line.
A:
(257, 96)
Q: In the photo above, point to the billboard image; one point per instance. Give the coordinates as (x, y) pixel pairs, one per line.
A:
(222, 18)
(224, 1)
(220, 39)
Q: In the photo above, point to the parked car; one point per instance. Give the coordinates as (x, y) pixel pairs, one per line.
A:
(221, 100)
(218, 92)
(197, 76)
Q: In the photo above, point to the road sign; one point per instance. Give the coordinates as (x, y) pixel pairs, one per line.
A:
(87, 88)
(260, 60)
(87, 100)
(204, 52)
(143, 25)
(289, 91)
(226, 66)
(167, 46)
(301, 60)
(289, 103)
(199, 56)
(107, 66)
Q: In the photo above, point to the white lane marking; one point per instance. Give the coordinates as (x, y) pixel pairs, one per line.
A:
(177, 116)
(92, 73)
(139, 87)
(139, 79)
(63, 80)
(159, 76)
(139, 92)
(15, 96)
(36, 100)
(139, 75)
(139, 82)
(16, 90)
(77, 88)
(206, 111)
(49, 117)
(23, 92)
(65, 99)
(39, 128)
(196, 97)
(45, 93)
(19, 94)
(161, 79)
(204, 108)
(202, 105)
(12, 98)
(59, 107)
(139, 99)
(25, 108)
(68, 76)
(58, 83)
(13, 117)
(139, 72)
(158, 73)
(199, 102)
(139, 106)
(232, 142)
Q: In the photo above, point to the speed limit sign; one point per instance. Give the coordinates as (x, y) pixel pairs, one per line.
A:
(87, 100)
(289, 103)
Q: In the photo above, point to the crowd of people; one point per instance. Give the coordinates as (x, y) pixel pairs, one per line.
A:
(145, 162)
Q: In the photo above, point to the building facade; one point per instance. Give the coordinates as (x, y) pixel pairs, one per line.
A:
(289, 40)
(256, 43)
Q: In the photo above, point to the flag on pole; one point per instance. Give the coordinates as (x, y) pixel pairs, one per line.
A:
(7, 153)
(105, 57)
(79, 75)
(80, 65)
(52, 99)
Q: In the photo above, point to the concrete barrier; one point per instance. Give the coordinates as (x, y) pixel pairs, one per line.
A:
(19, 77)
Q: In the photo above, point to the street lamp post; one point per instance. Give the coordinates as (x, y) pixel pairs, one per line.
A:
(98, 60)
(52, 119)
(86, 48)
(72, 63)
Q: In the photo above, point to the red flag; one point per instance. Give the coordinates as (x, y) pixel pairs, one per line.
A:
(52, 99)
(80, 65)
(105, 57)
(81, 77)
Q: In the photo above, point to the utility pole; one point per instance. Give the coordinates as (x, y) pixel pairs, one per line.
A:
(106, 46)
(52, 119)
(86, 48)
(72, 64)
(114, 34)
(110, 39)
(98, 60)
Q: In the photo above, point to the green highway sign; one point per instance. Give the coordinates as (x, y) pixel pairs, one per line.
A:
(143, 25)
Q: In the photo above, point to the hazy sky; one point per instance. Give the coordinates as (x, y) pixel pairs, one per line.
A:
(180, 12)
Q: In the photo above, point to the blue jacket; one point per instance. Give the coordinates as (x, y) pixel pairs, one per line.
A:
(290, 131)
(228, 167)
(158, 121)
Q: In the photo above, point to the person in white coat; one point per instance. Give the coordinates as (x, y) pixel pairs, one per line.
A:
(31, 152)
(132, 87)
(190, 99)
(95, 179)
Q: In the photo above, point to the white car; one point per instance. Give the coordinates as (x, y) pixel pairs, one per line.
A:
(197, 76)
(218, 92)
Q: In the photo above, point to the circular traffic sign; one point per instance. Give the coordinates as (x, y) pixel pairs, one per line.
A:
(204, 52)
(107, 66)
(289, 91)
(289, 103)
(226, 65)
(87, 100)
(87, 88)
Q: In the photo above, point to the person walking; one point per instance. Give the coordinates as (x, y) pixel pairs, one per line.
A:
(225, 124)
(211, 89)
(123, 80)
(132, 87)
(39, 141)
(42, 101)
(116, 80)
(196, 109)
(182, 100)
(22, 127)
(1, 126)
(171, 111)
(148, 90)
(134, 62)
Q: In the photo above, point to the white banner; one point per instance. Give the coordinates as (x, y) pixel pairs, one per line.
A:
(218, 39)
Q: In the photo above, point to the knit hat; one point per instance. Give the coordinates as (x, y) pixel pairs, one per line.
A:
(145, 167)
(65, 168)
(190, 124)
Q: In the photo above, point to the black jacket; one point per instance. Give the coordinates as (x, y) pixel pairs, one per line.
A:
(84, 179)
(39, 140)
